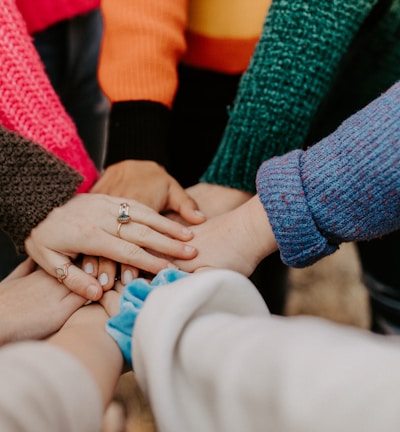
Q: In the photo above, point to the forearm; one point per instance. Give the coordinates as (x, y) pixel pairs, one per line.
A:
(33, 182)
(344, 188)
(29, 104)
(89, 343)
(211, 334)
(50, 387)
(292, 68)
(143, 43)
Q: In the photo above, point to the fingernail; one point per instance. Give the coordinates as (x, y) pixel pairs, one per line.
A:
(199, 213)
(103, 279)
(92, 292)
(88, 268)
(187, 231)
(189, 249)
(172, 266)
(128, 277)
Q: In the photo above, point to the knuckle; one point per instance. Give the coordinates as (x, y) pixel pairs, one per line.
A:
(143, 232)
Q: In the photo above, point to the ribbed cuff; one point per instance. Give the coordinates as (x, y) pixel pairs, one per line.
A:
(280, 189)
(138, 130)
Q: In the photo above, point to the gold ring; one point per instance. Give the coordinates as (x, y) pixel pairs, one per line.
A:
(123, 217)
(62, 271)
(118, 229)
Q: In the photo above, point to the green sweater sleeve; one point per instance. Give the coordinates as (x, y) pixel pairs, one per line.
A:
(292, 69)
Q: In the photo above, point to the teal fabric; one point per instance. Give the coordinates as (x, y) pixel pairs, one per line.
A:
(316, 63)
(120, 327)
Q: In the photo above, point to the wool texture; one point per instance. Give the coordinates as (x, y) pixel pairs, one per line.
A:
(316, 63)
(145, 41)
(32, 183)
(344, 188)
(29, 104)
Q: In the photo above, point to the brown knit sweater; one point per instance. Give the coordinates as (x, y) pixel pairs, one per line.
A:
(32, 183)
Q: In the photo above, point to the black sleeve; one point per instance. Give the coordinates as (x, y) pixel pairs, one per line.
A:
(138, 130)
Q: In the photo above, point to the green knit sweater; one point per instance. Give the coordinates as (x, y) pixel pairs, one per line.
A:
(317, 62)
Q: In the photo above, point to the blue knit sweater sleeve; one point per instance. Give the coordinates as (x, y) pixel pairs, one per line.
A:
(345, 188)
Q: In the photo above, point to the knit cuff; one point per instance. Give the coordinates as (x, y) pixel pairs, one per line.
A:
(32, 183)
(279, 187)
(138, 130)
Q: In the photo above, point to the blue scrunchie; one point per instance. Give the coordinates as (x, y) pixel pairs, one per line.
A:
(120, 327)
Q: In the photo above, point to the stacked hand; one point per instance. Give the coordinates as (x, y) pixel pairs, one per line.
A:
(87, 224)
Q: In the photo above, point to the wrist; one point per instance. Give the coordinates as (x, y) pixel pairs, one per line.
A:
(259, 229)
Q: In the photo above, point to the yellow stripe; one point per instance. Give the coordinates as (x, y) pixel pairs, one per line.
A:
(227, 18)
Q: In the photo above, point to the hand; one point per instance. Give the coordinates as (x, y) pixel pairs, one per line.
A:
(236, 240)
(150, 184)
(214, 200)
(33, 304)
(87, 224)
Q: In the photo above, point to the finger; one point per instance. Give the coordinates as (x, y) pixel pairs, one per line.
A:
(146, 237)
(147, 216)
(27, 266)
(110, 302)
(184, 205)
(133, 255)
(73, 277)
(90, 265)
(128, 273)
(119, 287)
(106, 273)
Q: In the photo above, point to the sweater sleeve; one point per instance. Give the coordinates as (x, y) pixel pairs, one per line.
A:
(210, 357)
(345, 188)
(291, 70)
(29, 104)
(32, 183)
(143, 43)
(45, 389)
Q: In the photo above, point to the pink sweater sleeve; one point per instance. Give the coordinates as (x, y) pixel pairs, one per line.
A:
(29, 104)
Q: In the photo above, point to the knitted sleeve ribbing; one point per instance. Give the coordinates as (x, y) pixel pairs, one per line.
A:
(292, 68)
(345, 188)
(29, 105)
(32, 183)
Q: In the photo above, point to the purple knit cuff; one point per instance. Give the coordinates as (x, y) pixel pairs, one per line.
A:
(280, 190)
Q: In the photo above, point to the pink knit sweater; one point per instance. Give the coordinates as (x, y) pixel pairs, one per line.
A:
(29, 105)
(39, 14)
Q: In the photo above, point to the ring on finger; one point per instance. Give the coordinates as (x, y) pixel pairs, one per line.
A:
(62, 271)
(123, 217)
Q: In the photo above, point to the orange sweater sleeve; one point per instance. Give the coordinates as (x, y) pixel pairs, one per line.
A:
(143, 42)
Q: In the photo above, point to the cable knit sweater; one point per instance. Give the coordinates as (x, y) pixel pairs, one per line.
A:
(345, 188)
(29, 105)
(317, 62)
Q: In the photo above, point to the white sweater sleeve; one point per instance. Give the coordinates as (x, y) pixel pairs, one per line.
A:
(211, 358)
(44, 389)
